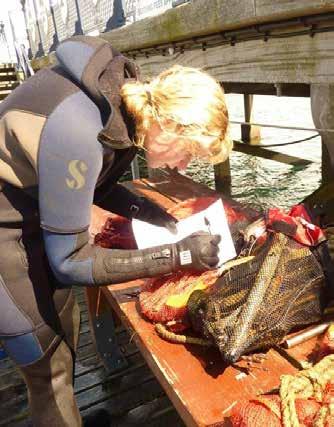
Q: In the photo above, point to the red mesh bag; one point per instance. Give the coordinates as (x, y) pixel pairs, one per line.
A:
(257, 413)
(324, 345)
(164, 300)
(116, 234)
(329, 402)
(266, 411)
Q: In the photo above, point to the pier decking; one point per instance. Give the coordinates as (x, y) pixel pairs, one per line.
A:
(133, 396)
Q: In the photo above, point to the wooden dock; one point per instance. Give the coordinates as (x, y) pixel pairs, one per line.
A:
(251, 47)
(132, 396)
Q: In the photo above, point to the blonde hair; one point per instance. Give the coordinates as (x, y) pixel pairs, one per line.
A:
(185, 102)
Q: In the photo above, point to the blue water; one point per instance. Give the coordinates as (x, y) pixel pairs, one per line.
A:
(265, 183)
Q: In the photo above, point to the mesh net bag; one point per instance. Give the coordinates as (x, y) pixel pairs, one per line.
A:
(255, 304)
(266, 411)
(116, 233)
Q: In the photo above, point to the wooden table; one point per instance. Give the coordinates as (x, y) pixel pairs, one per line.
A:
(201, 387)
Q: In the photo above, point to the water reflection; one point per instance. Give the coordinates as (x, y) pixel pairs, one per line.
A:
(264, 183)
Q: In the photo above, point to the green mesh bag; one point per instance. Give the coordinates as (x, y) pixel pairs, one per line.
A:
(255, 304)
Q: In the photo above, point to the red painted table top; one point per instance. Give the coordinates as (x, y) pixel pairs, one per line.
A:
(201, 387)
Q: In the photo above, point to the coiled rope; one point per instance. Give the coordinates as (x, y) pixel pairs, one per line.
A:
(180, 339)
(309, 383)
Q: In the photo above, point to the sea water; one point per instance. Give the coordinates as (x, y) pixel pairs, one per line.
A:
(264, 183)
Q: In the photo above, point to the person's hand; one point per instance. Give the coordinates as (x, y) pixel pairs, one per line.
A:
(148, 211)
(198, 251)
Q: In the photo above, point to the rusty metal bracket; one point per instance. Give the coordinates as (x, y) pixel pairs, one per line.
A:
(106, 343)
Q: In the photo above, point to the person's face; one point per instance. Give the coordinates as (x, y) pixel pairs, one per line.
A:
(165, 149)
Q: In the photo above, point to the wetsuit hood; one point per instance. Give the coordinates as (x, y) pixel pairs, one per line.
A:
(94, 64)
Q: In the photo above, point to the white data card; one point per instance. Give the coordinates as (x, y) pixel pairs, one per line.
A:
(213, 220)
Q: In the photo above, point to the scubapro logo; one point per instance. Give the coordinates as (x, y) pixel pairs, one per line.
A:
(77, 169)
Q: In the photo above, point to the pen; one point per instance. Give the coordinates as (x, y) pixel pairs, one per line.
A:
(207, 223)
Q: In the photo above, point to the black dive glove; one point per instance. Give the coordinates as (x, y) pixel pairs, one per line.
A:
(123, 202)
(199, 251)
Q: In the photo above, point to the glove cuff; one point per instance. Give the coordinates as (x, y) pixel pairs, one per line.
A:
(120, 201)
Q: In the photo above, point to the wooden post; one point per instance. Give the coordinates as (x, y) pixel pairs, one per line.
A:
(246, 129)
(249, 134)
(327, 173)
(322, 103)
(223, 181)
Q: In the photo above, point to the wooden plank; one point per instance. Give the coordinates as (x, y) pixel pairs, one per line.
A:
(81, 298)
(6, 364)
(189, 20)
(87, 378)
(18, 411)
(155, 413)
(287, 89)
(84, 316)
(7, 66)
(85, 326)
(207, 17)
(178, 367)
(121, 393)
(284, 8)
(85, 338)
(98, 376)
(10, 379)
(265, 153)
(8, 85)
(246, 61)
(89, 389)
(300, 59)
(174, 186)
(158, 412)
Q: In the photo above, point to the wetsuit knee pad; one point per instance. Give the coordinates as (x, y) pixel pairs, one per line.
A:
(29, 347)
(23, 349)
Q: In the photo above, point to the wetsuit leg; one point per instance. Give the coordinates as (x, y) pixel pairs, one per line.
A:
(39, 323)
(50, 389)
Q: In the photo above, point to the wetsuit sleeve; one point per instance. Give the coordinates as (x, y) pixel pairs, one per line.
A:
(69, 163)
